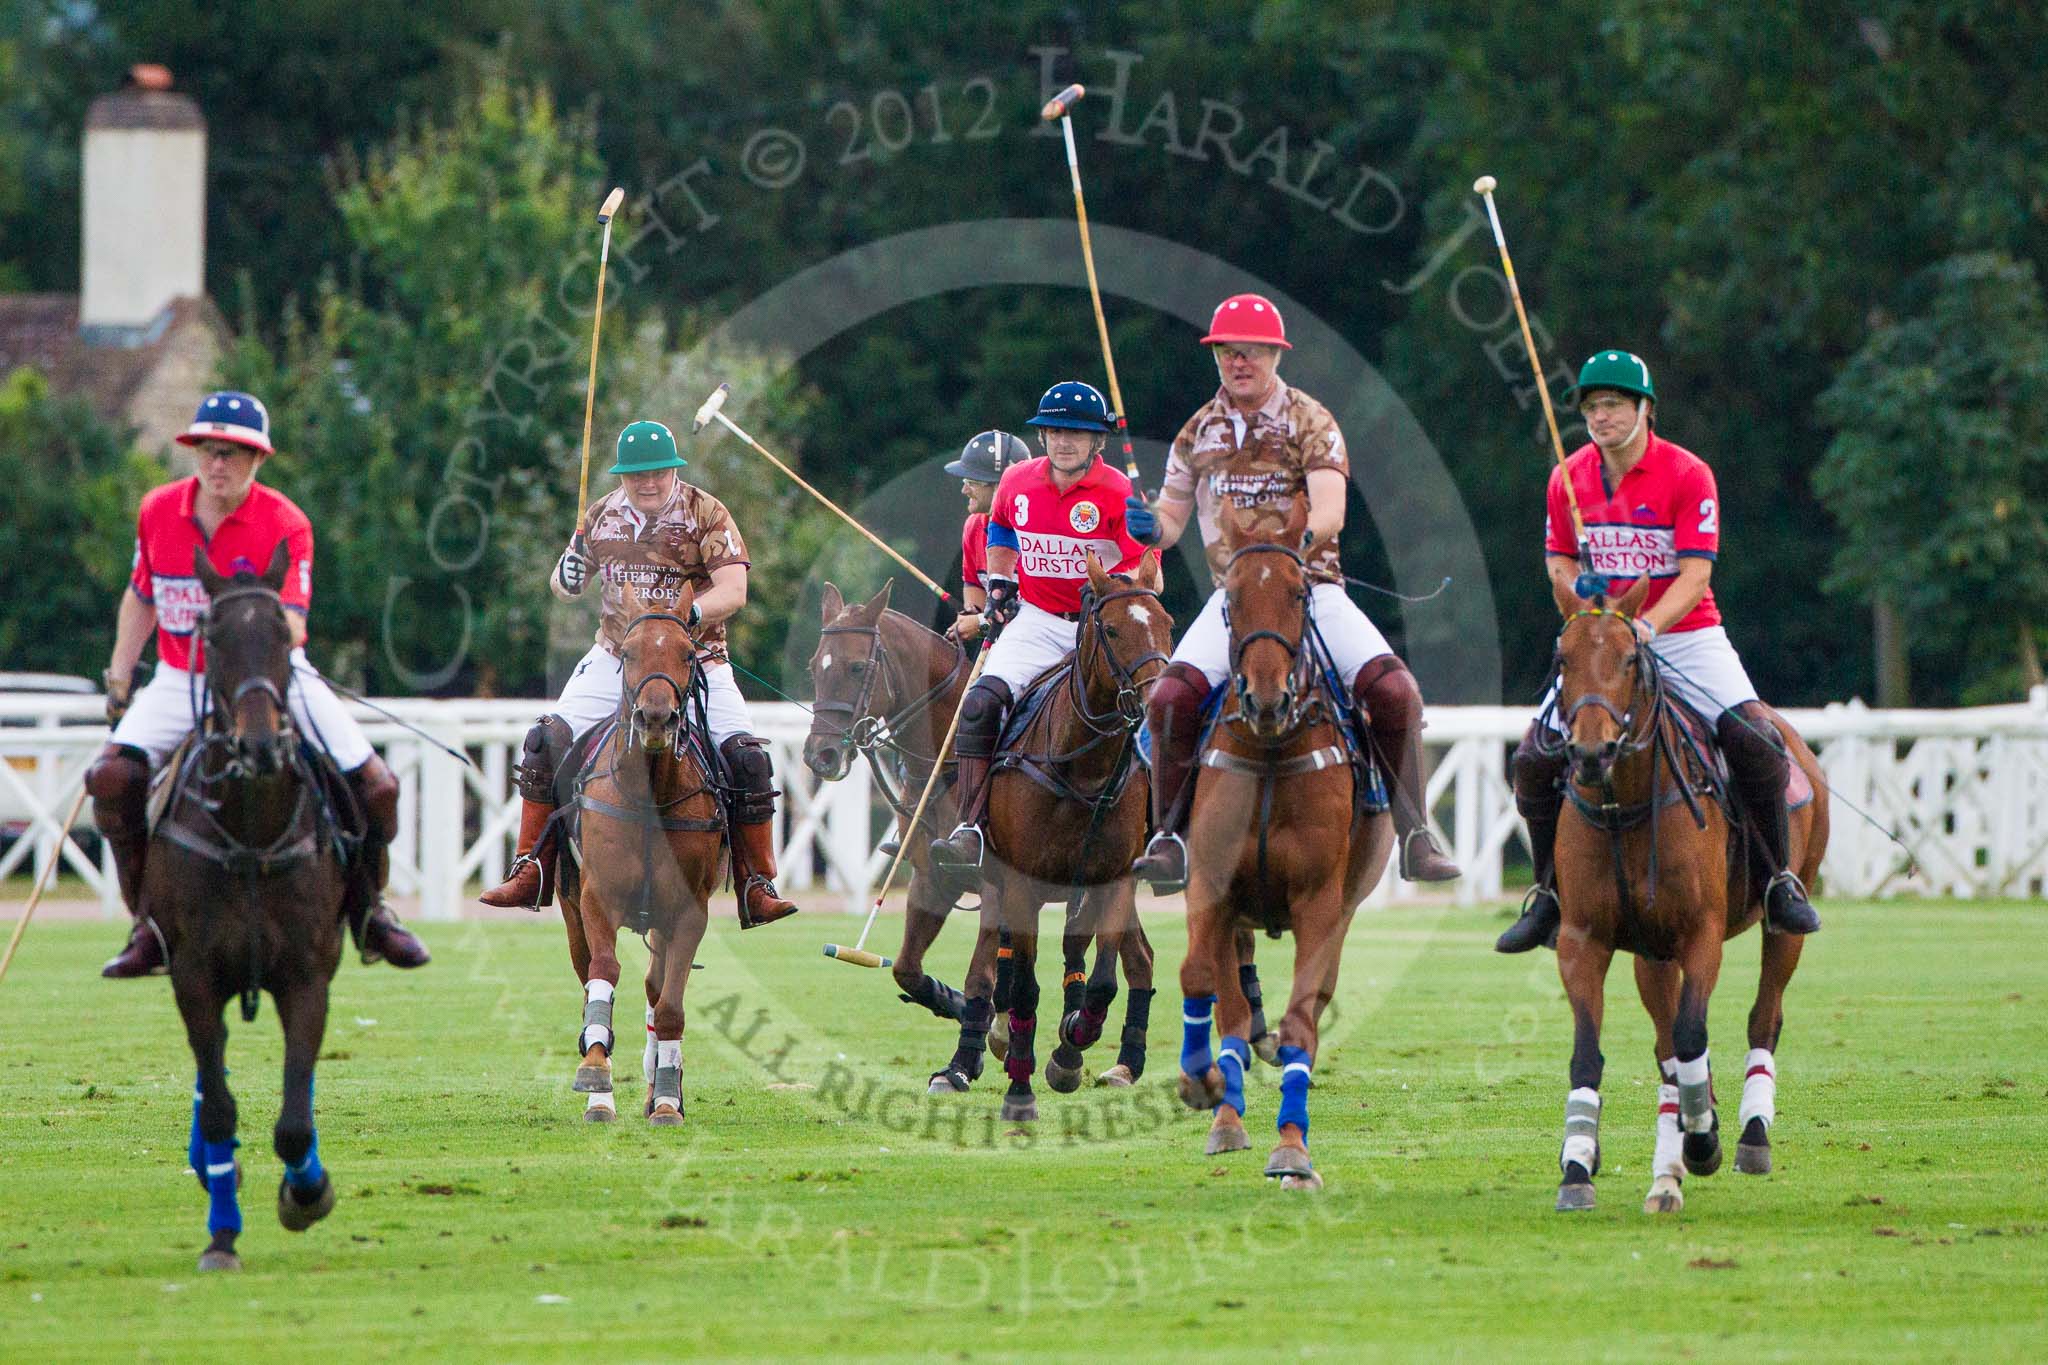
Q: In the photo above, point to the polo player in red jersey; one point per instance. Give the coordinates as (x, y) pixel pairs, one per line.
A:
(1651, 508)
(240, 523)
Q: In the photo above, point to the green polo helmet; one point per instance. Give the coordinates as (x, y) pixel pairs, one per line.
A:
(645, 447)
(1615, 370)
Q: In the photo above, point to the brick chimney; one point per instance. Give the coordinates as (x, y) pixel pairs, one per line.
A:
(144, 209)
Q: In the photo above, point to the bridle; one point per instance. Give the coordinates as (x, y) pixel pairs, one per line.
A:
(1127, 712)
(629, 701)
(861, 728)
(1638, 729)
(215, 717)
(1297, 695)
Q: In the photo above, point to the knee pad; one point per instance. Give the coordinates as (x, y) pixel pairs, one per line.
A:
(118, 781)
(1388, 692)
(539, 758)
(1177, 698)
(981, 717)
(753, 778)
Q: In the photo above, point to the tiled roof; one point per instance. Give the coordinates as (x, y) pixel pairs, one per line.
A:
(41, 330)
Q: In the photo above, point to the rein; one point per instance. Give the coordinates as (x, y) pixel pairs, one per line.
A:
(1116, 724)
(870, 734)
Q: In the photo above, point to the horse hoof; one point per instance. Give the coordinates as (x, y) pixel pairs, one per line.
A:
(1266, 1047)
(665, 1116)
(1575, 1192)
(297, 1216)
(599, 1113)
(1063, 1076)
(999, 1038)
(1288, 1161)
(1665, 1196)
(1702, 1153)
(1202, 1092)
(1226, 1137)
(211, 1259)
(1020, 1109)
(1117, 1077)
(1753, 1158)
(593, 1080)
(951, 1081)
(1077, 1032)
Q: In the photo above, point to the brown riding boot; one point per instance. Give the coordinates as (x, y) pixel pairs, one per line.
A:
(1393, 705)
(956, 859)
(379, 935)
(753, 875)
(531, 876)
(119, 786)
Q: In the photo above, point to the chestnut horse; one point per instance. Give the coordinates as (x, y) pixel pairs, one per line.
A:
(1649, 861)
(1068, 806)
(245, 884)
(1289, 830)
(647, 855)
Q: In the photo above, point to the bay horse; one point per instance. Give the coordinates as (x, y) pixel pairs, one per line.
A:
(1650, 861)
(1289, 830)
(646, 855)
(1068, 805)
(246, 881)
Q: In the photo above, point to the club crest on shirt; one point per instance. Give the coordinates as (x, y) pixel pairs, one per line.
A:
(1023, 512)
(1085, 517)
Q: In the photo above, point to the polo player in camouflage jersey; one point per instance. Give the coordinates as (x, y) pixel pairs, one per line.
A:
(648, 538)
(1259, 445)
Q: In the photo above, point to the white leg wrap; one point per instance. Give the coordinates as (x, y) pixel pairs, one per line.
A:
(668, 1074)
(1759, 1087)
(1581, 1128)
(647, 1053)
(603, 1102)
(597, 1017)
(1696, 1094)
(1668, 1159)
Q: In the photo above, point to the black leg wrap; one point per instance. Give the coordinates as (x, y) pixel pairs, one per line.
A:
(1137, 1019)
(1006, 972)
(936, 996)
(1248, 982)
(976, 1014)
(1098, 997)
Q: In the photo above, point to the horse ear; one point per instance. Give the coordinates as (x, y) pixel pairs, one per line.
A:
(685, 598)
(1568, 602)
(1631, 603)
(1149, 577)
(203, 570)
(879, 603)
(280, 560)
(831, 604)
(1097, 577)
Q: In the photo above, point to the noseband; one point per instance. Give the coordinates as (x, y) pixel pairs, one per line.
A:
(1129, 710)
(1638, 729)
(230, 702)
(636, 725)
(861, 728)
(1298, 693)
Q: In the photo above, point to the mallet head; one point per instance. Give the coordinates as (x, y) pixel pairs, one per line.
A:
(1059, 105)
(711, 407)
(611, 203)
(1484, 185)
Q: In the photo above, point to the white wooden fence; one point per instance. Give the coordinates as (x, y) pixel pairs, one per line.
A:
(1966, 790)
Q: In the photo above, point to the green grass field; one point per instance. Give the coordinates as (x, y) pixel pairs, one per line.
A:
(816, 1204)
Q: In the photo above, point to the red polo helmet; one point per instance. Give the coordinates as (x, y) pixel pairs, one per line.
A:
(1250, 318)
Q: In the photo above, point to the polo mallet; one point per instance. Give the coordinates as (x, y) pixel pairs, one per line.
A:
(604, 251)
(713, 411)
(1060, 107)
(1484, 187)
(42, 882)
(858, 955)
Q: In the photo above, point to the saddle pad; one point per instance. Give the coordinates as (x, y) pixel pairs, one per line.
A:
(164, 783)
(1798, 786)
(1037, 693)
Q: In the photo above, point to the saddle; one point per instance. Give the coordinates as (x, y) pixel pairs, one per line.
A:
(566, 823)
(1708, 765)
(1369, 790)
(337, 811)
(1043, 768)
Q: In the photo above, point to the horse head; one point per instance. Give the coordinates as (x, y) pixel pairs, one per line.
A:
(1265, 594)
(847, 678)
(1599, 661)
(247, 646)
(1126, 636)
(657, 659)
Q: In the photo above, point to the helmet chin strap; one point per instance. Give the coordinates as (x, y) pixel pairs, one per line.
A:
(1642, 408)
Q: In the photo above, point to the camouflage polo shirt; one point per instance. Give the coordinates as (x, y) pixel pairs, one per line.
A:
(644, 561)
(1261, 464)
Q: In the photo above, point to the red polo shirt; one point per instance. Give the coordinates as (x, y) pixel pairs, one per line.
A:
(1055, 530)
(167, 532)
(974, 551)
(1664, 510)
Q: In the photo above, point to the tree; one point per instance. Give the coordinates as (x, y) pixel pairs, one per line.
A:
(1938, 472)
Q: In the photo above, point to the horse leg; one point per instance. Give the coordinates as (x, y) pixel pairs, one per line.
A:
(977, 1013)
(665, 1109)
(600, 985)
(1265, 1043)
(306, 1194)
(1019, 1104)
(1700, 956)
(924, 916)
(1134, 952)
(1063, 1067)
(1760, 1069)
(1006, 975)
(579, 947)
(1582, 966)
(1233, 1049)
(1657, 983)
(212, 1148)
(1319, 918)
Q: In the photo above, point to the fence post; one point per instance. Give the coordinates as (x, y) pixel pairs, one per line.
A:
(441, 826)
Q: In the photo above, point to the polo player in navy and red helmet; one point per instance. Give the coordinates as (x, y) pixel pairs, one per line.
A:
(1048, 513)
(240, 523)
(1651, 507)
(1260, 444)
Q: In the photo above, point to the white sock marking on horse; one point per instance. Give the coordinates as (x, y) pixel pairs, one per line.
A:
(1669, 1159)
(603, 1102)
(1760, 1087)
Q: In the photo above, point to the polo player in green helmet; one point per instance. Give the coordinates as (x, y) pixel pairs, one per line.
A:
(649, 537)
(1651, 509)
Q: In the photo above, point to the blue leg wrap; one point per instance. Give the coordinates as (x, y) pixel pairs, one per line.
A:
(1294, 1076)
(195, 1150)
(1235, 1057)
(1196, 1012)
(224, 1212)
(307, 1175)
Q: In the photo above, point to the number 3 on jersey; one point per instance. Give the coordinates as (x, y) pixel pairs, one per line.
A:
(1710, 517)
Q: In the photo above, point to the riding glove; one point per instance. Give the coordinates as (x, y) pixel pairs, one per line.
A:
(1140, 520)
(576, 566)
(1003, 604)
(120, 691)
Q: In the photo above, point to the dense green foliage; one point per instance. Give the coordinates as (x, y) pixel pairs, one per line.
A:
(1749, 199)
(815, 1205)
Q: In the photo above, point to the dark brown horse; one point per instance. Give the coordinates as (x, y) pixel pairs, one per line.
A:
(244, 881)
(1067, 811)
(886, 691)
(1286, 832)
(646, 857)
(1649, 861)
